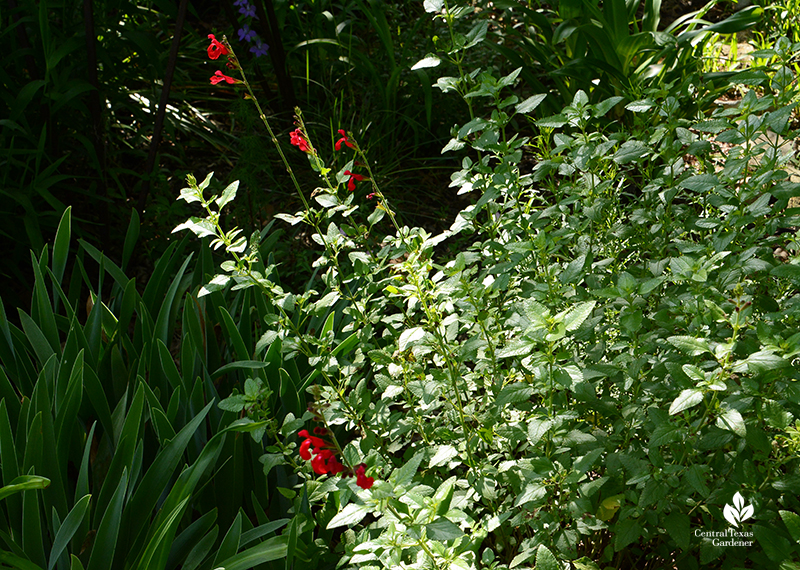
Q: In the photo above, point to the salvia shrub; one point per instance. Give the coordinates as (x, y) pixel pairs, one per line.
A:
(601, 371)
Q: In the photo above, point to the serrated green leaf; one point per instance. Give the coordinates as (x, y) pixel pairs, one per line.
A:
(546, 560)
(518, 392)
(530, 103)
(350, 515)
(403, 475)
(732, 420)
(685, 400)
(626, 532)
(537, 429)
(444, 453)
(792, 522)
(677, 526)
(228, 194)
(690, 345)
(443, 530)
(574, 317)
(410, 337)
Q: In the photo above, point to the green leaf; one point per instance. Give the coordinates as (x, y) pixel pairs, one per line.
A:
(760, 362)
(427, 61)
(410, 337)
(158, 548)
(690, 345)
(792, 522)
(271, 549)
(517, 392)
(228, 194)
(530, 103)
(701, 183)
(443, 530)
(199, 226)
(17, 562)
(626, 532)
(545, 560)
(443, 455)
(606, 105)
(640, 106)
(24, 483)
(233, 403)
(732, 420)
(677, 526)
(404, 475)
(130, 238)
(350, 515)
(230, 543)
(533, 493)
(61, 245)
(162, 325)
(240, 365)
(433, 5)
(574, 317)
(552, 122)
(38, 341)
(631, 151)
(67, 530)
(156, 479)
(105, 543)
(685, 400)
(537, 429)
(775, 546)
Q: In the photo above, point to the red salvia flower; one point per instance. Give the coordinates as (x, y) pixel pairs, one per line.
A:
(298, 140)
(305, 452)
(219, 77)
(315, 441)
(345, 140)
(324, 460)
(361, 480)
(351, 184)
(216, 49)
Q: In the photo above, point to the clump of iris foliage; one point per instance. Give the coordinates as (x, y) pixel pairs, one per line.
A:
(594, 367)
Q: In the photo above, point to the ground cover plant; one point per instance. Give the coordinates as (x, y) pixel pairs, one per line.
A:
(595, 366)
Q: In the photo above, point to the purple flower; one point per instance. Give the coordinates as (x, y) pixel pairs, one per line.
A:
(240, 2)
(248, 10)
(260, 48)
(246, 34)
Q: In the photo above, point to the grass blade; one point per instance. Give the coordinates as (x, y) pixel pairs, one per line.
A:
(105, 543)
(68, 529)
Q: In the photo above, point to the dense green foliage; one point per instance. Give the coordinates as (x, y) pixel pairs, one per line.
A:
(119, 424)
(595, 366)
